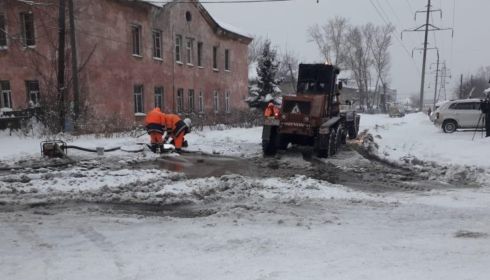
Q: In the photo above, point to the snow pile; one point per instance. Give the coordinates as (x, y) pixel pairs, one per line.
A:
(414, 139)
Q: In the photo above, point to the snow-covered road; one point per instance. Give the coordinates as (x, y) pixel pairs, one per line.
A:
(72, 222)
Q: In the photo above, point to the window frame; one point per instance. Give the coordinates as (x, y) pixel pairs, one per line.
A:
(227, 60)
(200, 46)
(28, 41)
(215, 58)
(139, 98)
(201, 102)
(192, 100)
(227, 102)
(33, 92)
(157, 44)
(136, 34)
(5, 93)
(159, 93)
(216, 101)
(178, 48)
(180, 100)
(3, 32)
(189, 51)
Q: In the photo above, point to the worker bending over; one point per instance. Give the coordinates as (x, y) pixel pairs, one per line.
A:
(271, 110)
(155, 126)
(177, 128)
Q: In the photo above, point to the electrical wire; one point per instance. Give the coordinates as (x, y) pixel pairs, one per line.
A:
(398, 39)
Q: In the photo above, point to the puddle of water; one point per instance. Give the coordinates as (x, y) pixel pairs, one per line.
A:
(202, 166)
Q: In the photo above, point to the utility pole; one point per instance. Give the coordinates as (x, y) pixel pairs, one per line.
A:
(425, 49)
(426, 28)
(461, 87)
(61, 63)
(74, 63)
(443, 76)
(437, 79)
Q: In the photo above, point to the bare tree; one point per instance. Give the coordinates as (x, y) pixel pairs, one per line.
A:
(254, 50)
(382, 41)
(330, 39)
(359, 59)
(288, 70)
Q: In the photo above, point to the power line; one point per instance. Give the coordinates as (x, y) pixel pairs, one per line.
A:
(396, 37)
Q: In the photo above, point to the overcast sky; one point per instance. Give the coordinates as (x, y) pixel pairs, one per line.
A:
(285, 23)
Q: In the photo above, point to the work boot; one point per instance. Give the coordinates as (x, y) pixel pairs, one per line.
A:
(161, 148)
(185, 144)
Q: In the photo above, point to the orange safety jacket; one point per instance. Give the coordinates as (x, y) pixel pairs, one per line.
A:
(155, 121)
(271, 111)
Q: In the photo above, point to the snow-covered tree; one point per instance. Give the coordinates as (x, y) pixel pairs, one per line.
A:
(267, 88)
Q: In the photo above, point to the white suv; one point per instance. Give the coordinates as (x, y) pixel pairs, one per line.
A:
(462, 113)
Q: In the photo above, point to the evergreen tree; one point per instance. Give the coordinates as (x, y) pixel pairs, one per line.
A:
(267, 88)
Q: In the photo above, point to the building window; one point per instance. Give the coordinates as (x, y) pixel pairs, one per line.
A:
(157, 44)
(136, 39)
(216, 102)
(3, 32)
(178, 48)
(33, 95)
(191, 100)
(227, 59)
(227, 102)
(199, 54)
(138, 99)
(215, 57)
(201, 102)
(28, 35)
(180, 100)
(159, 97)
(189, 50)
(6, 94)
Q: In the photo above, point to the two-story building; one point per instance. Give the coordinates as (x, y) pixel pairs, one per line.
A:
(132, 56)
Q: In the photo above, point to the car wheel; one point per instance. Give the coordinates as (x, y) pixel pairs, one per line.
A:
(449, 126)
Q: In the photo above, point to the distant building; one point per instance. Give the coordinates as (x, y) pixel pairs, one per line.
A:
(133, 56)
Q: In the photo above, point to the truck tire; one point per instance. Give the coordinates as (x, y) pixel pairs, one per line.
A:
(332, 142)
(282, 142)
(321, 146)
(340, 139)
(353, 131)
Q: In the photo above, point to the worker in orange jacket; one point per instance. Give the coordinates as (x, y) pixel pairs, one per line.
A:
(271, 110)
(155, 126)
(177, 128)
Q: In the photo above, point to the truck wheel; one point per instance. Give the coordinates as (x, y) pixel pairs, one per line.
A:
(353, 132)
(332, 143)
(340, 139)
(449, 126)
(283, 142)
(322, 150)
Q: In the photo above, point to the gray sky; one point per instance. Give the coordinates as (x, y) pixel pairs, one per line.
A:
(285, 23)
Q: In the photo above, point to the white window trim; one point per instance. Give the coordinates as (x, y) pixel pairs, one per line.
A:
(189, 51)
(179, 60)
(201, 102)
(216, 101)
(229, 61)
(227, 102)
(142, 109)
(161, 44)
(140, 40)
(24, 39)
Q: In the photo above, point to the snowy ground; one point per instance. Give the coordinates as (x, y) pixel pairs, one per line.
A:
(101, 218)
